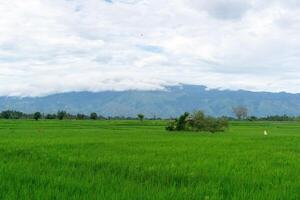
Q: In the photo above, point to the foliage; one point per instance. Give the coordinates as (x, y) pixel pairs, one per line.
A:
(51, 116)
(61, 114)
(12, 114)
(172, 125)
(93, 116)
(278, 118)
(197, 122)
(140, 117)
(80, 116)
(37, 116)
(181, 122)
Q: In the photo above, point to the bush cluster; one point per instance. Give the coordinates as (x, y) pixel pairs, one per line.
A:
(197, 122)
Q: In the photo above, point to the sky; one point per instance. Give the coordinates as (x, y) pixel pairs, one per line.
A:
(52, 46)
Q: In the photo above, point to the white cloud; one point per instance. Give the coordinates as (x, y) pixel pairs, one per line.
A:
(49, 46)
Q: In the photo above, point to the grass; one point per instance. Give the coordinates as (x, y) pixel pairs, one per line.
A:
(140, 160)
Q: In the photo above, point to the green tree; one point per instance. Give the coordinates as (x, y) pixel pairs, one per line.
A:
(80, 116)
(37, 116)
(61, 114)
(50, 116)
(140, 117)
(198, 121)
(182, 121)
(5, 114)
(11, 114)
(93, 116)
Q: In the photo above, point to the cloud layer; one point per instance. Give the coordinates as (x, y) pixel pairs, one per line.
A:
(49, 46)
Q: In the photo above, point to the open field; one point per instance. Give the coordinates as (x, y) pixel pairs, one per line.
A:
(140, 160)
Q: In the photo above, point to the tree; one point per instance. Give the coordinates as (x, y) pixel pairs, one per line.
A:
(5, 114)
(181, 122)
(50, 116)
(140, 117)
(252, 118)
(37, 116)
(93, 116)
(197, 120)
(11, 114)
(80, 116)
(61, 114)
(240, 112)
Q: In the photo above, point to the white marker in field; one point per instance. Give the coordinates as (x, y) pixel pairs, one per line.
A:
(265, 132)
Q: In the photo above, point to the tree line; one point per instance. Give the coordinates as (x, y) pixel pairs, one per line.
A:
(240, 113)
(61, 115)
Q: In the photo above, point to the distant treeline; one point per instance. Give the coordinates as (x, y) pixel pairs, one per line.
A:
(274, 118)
(12, 114)
(268, 118)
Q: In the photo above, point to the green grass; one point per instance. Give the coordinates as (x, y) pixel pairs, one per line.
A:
(133, 160)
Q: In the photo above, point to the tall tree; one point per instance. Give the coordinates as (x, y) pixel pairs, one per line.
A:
(61, 114)
(240, 112)
(182, 120)
(80, 116)
(37, 116)
(93, 116)
(140, 117)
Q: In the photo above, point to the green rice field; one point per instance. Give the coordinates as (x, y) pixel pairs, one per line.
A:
(140, 160)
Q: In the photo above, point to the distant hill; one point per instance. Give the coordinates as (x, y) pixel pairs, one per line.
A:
(170, 102)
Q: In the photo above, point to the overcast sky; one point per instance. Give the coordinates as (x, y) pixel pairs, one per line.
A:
(49, 46)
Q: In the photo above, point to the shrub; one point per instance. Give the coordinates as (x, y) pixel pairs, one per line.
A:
(197, 122)
(171, 126)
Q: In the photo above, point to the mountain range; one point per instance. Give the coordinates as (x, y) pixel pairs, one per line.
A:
(171, 102)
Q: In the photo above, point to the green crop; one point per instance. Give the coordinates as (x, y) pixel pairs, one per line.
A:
(140, 160)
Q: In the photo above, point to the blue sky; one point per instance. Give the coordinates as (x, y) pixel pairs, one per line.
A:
(50, 46)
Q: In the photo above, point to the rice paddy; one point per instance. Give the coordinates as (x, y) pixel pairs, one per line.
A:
(140, 160)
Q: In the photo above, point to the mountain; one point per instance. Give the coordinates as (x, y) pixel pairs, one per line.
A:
(170, 102)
